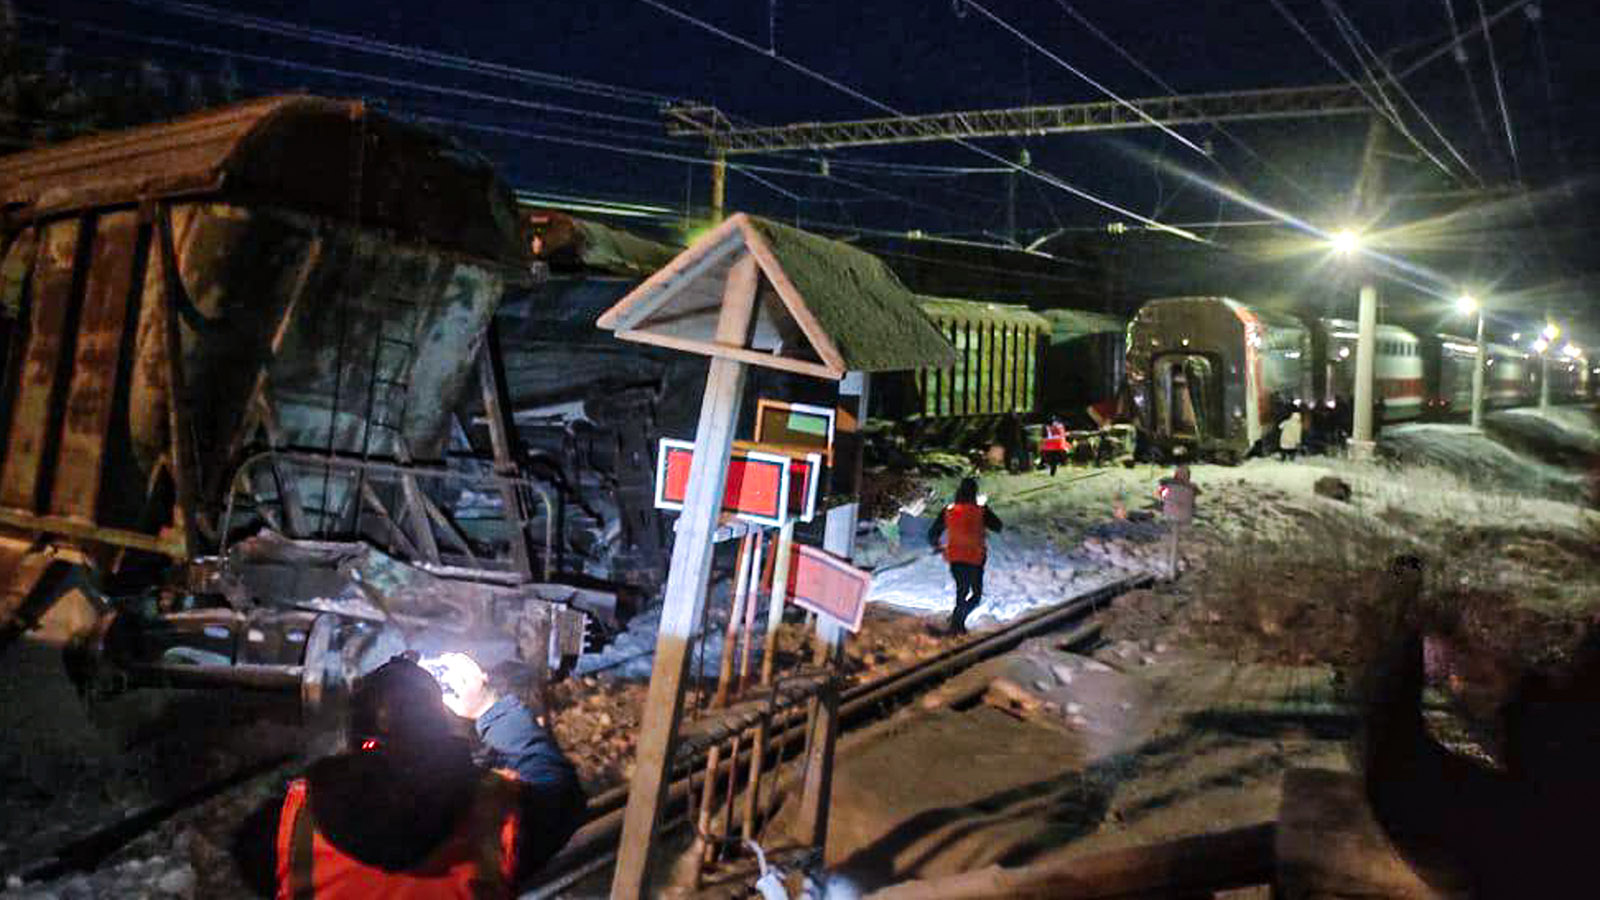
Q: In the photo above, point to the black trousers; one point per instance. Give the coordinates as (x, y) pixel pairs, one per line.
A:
(1054, 458)
(969, 593)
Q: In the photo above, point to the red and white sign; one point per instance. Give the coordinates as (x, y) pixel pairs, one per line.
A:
(757, 489)
(826, 584)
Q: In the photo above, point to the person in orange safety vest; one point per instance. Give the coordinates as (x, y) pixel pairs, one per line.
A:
(408, 811)
(963, 525)
(1054, 449)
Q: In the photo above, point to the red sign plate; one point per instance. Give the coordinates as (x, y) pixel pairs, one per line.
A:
(805, 476)
(826, 584)
(758, 486)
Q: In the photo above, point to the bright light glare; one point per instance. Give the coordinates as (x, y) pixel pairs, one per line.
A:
(1571, 351)
(1516, 336)
(1346, 242)
(1467, 303)
(1541, 345)
(1550, 332)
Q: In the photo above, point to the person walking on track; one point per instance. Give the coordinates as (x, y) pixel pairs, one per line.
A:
(1055, 447)
(964, 524)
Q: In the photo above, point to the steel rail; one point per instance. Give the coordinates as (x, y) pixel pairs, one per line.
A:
(594, 843)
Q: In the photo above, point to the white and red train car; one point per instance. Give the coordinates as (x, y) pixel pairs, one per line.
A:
(1211, 377)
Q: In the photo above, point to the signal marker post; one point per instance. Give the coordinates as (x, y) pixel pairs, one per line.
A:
(825, 310)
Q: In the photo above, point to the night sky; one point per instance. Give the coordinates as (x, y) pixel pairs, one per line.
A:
(552, 136)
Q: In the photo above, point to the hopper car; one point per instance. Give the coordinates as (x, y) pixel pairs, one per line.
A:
(235, 351)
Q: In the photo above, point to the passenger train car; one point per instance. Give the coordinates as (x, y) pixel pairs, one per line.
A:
(1211, 377)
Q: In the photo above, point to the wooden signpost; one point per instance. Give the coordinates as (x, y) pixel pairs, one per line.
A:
(754, 292)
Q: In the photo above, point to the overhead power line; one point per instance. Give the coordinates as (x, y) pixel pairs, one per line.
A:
(418, 55)
(280, 62)
(1344, 73)
(837, 85)
(1016, 32)
(1362, 49)
(1500, 91)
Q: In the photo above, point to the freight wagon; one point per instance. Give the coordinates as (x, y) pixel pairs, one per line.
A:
(234, 354)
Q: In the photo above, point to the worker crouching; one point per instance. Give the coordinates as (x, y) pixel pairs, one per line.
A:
(413, 809)
(963, 525)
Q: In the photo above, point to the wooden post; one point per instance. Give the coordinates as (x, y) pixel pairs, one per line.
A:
(686, 585)
(839, 538)
(497, 410)
(769, 652)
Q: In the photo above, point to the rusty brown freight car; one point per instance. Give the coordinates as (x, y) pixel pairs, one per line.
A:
(233, 349)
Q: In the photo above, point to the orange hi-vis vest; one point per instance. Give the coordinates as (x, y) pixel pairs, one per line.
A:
(964, 539)
(1055, 440)
(478, 862)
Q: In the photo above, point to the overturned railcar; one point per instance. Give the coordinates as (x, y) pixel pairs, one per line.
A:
(234, 348)
(1207, 376)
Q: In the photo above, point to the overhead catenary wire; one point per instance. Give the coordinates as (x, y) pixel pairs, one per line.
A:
(331, 71)
(1134, 61)
(852, 92)
(1500, 91)
(1464, 63)
(1084, 76)
(1362, 49)
(1355, 82)
(412, 54)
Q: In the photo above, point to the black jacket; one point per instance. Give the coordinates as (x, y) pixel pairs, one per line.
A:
(390, 809)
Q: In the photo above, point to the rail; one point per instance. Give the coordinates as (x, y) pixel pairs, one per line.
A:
(593, 846)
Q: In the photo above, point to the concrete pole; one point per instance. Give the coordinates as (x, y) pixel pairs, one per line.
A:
(1544, 379)
(1479, 365)
(1361, 444)
(719, 186)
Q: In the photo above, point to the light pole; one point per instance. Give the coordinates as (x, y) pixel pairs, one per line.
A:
(1347, 243)
(1547, 338)
(1468, 304)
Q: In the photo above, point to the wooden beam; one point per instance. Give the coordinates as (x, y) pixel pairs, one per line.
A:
(370, 497)
(627, 310)
(497, 409)
(686, 588)
(839, 538)
(753, 357)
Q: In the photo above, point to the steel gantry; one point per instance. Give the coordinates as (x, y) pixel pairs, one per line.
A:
(701, 120)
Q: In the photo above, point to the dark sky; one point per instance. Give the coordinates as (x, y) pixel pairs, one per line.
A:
(914, 56)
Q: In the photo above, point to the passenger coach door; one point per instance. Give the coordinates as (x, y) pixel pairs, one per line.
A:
(1186, 397)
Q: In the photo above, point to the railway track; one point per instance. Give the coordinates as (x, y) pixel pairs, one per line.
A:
(594, 846)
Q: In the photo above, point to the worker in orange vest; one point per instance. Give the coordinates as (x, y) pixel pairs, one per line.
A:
(1055, 447)
(408, 812)
(966, 521)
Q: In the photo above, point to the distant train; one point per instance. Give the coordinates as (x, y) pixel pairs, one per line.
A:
(1211, 377)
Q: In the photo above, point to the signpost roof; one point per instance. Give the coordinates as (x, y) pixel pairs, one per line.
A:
(823, 307)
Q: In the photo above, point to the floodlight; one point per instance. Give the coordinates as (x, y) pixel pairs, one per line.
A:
(1467, 303)
(1345, 242)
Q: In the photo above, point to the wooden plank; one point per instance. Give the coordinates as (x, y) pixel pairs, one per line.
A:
(48, 342)
(108, 295)
(753, 357)
(839, 538)
(497, 409)
(626, 309)
(181, 455)
(686, 590)
(370, 496)
(792, 300)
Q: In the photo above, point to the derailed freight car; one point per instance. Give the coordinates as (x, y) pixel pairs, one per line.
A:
(1207, 376)
(235, 347)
